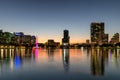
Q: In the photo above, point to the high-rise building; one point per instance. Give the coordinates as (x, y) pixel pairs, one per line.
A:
(65, 39)
(1, 35)
(115, 38)
(97, 32)
(1, 30)
(33, 40)
(19, 37)
(5, 37)
(105, 38)
(27, 39)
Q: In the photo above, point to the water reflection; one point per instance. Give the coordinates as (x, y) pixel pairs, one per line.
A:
(97, 62)
(35, 54)
(102, 57)
(114, 57)
(51, 54)
(65, 57)
(65, 63)
(13, 57)
(17, 59)
(5, 54)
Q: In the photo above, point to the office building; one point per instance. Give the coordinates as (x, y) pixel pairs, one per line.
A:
(19, 38)
(1, 35)
(52, 44)
(96, 33)
(115, 38)
(33, 40)
(27, 39)
(105, 38)
(65, 39)
(5, 37)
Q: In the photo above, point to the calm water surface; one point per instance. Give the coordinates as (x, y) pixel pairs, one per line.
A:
(59, 64)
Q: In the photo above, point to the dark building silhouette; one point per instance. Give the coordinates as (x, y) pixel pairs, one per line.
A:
(97, 33)
(52, 44)
(65, 39)
(1, 30)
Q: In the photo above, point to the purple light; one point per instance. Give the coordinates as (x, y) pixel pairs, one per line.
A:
(33, 37)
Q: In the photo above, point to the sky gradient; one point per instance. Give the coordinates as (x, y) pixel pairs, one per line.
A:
(48, 18)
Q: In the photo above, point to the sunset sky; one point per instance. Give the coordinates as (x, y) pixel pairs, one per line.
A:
(48, 18)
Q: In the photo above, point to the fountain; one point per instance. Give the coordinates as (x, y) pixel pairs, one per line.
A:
(37, 43)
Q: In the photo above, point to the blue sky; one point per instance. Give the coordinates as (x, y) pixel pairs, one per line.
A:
(48, 18)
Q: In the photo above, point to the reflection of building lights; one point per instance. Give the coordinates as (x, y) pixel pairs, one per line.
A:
(1, 53)
(82, 51)
(11, 64)
(64, 53)
(17, 61)
(10, 53)
(66, 59)
(118, 51)
(36, 53)
(110, 55)
(97, 63)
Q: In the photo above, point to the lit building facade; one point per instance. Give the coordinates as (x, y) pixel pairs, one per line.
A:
(105, 38)
(16, 38)
(33, 40)
(27, 39)
(97, 33)
(19, 38)
(115, 38)
(5, 37)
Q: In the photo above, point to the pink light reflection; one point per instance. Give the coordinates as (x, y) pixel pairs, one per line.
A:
(36, 53)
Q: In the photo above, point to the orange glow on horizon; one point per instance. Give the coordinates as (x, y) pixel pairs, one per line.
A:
(43, 40)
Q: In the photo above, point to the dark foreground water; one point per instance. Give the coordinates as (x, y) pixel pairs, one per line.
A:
(58, 64)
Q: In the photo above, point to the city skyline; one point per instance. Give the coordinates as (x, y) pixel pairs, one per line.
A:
(47, 19)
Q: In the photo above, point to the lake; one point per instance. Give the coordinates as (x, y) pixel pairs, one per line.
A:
(59, 64)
